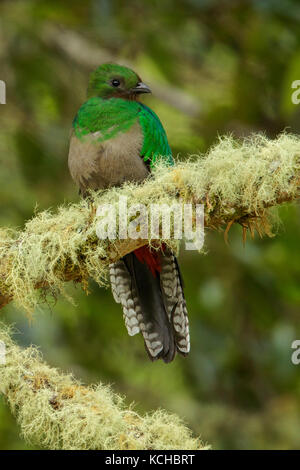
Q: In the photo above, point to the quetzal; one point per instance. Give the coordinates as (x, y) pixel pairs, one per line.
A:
(115, 139)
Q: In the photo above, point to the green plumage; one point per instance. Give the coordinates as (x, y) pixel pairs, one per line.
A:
(111, 116)
(155, 142)
(99, 83)
(116, 139)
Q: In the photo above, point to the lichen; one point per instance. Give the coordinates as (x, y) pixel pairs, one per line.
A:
(55, 411)
(237, 181)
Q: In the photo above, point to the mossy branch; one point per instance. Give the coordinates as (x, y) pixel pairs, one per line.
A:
(55, 411)
(237, 181)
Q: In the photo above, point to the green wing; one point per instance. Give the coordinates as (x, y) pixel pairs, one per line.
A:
(155, 139)
(109, 117)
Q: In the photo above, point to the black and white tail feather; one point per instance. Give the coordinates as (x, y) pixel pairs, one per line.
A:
(154, 306)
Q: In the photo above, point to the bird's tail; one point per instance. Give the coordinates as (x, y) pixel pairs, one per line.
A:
(148, 285)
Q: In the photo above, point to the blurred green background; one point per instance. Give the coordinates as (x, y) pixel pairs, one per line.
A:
(215, 67)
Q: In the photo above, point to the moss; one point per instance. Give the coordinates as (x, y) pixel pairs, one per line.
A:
(55, 411)
(238, 181)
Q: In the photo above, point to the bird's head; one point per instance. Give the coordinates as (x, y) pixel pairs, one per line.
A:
(113, 80)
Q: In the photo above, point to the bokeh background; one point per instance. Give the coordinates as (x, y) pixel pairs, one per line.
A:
(215, 67)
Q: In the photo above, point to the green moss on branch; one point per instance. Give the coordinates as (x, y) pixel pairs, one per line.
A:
(55, 411)
(238, 181)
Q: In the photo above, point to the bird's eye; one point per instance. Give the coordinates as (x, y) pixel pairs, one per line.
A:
(115, 82)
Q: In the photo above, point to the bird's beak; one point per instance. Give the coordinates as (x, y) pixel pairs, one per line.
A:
(141, 88)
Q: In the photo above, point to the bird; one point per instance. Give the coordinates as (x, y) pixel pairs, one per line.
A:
(115, 139)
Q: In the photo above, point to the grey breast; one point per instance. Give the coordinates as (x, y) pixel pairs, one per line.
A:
(99, 165)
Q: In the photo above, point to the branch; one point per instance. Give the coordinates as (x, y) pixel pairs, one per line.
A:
(237, 181)
(55, 411)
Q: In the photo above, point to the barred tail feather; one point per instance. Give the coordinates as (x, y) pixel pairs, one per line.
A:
(172, 288)
(153, 303)
(124, 293)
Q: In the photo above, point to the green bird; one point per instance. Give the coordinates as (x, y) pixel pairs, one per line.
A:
(116, 139)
